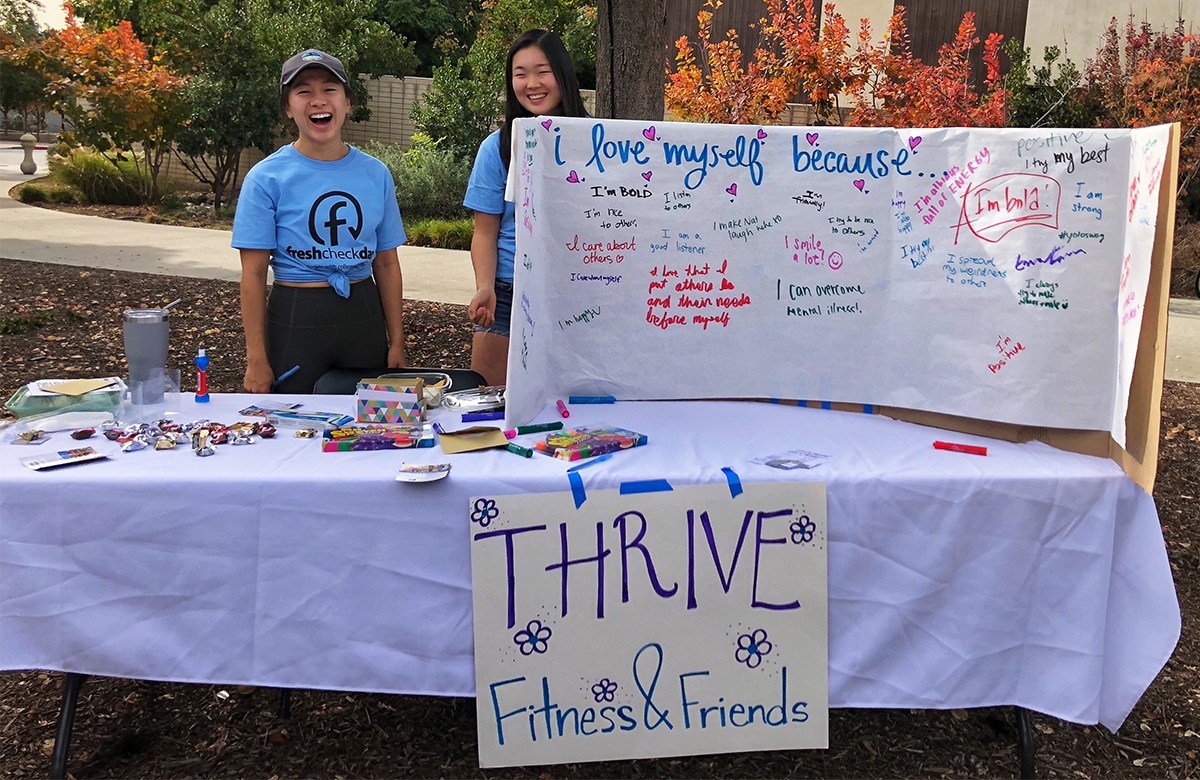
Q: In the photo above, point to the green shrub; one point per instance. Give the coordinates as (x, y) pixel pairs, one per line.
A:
(441, 233)
(99, 180)
(62, 195)
(31, 193)
(430, 181)
(170, 202)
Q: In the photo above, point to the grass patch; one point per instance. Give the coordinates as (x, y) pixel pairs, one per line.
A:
(441, 233)
(14, 326)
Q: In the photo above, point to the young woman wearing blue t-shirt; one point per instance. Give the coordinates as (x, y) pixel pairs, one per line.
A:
(323, 217)
(541, 80)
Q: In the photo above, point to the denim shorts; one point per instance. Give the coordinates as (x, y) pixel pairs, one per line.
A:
(504, 301)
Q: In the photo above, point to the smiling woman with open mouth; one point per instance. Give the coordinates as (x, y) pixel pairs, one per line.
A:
(323, 216)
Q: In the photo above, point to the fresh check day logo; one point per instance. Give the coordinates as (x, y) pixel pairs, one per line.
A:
(649, 624)
(335, 219)
(337, 201)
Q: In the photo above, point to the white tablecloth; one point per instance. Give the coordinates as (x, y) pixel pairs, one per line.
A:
(1029, 577)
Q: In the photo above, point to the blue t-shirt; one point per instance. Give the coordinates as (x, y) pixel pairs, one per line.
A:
(322, 220)
(485, 193)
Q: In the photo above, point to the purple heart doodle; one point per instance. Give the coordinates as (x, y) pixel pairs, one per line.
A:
(857, 183)
(647, 175)
(573, 177)
(547, 123)
(732, 189)
(914, 142)
(811, 138)
(762, 134)
(649, 133)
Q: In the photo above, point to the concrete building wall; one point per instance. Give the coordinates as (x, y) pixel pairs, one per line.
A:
(1079, 26)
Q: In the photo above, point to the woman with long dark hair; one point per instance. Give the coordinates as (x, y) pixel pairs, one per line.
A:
(540, 81)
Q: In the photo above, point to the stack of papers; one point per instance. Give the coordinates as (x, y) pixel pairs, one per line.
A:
(48, 388)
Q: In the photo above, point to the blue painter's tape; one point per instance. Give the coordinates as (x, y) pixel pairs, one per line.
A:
(645, 486)
(577, 488)
(868, 409)
(826, 405)
(735, 484)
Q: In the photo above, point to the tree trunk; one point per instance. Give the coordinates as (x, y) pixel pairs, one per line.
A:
(631, 59)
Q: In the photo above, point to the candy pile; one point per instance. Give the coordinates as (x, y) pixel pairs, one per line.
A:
(203, 435)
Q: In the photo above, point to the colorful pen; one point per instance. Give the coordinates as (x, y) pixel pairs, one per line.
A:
(591, 399)
(521, 430)
(481, 416)
(562, 409)
(969, 449)
(524, 452)
(285, 375)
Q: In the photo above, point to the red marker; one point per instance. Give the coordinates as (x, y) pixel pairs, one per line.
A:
(969, 449)
(562, 409)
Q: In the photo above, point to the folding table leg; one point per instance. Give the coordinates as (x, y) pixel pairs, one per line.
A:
(285, 703)
(66, 719)
(1025, 744)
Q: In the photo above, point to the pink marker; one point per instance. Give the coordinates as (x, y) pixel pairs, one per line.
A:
(562, 409)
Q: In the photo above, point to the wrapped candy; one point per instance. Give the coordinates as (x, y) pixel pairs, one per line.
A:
(205, 451)
(305, 433)
(165, 443)
(135, 444)
(243, 438)
(83, 433)
(113, 434)
(218, 436)
(266, 430)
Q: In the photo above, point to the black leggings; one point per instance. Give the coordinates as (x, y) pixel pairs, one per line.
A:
(317, 329)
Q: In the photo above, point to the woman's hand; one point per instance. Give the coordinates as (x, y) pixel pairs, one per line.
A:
(482, 310)
(259, 376)
(396, 356)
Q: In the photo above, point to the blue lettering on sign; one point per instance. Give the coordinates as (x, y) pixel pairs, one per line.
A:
(873, 164)
(744, 154)
(608, 150)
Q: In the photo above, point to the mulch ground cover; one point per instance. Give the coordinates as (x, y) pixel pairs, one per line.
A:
(64, 322)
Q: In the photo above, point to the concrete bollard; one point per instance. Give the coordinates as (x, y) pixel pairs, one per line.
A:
(28, 166)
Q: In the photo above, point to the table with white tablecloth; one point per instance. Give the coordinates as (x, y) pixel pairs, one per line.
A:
(1030, 577)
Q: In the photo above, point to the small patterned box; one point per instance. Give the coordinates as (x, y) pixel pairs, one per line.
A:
(391, 400)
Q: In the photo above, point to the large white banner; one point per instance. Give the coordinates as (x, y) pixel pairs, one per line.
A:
(650, 624)
(996, 274)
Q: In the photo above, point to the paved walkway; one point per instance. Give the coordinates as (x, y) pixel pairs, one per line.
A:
(43, 235)
(31, 233)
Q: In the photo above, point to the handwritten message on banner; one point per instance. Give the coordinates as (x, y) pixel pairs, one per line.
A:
(997, 274)
(653, 624)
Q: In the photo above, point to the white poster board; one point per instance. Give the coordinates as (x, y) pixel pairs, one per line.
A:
(650, 624)
(980, 273)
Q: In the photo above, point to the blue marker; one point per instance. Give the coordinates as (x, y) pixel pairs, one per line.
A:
(481, 416)
(592, 399)
(285, 375)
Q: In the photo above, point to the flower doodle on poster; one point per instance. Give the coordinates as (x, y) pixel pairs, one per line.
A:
(752, 647)
(534, 638)
(484, 512)
(802, 530)
(604, 690)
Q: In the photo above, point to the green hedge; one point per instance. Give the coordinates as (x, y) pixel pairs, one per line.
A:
(98, 179)
(430, 182)
(441, 233)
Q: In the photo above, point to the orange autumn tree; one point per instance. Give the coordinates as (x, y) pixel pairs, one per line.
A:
(711, 83)
(898, 90)
(114, 92)
(884, 82)
(1156, 82)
